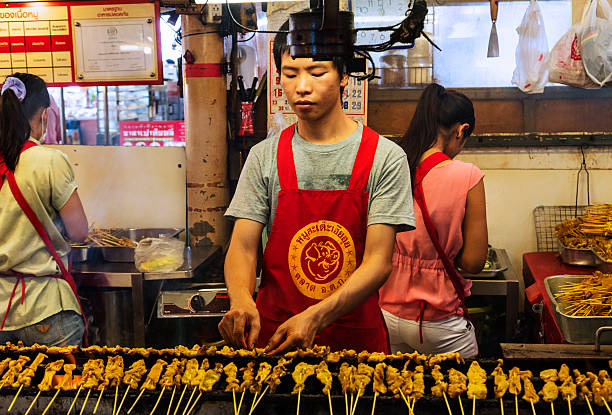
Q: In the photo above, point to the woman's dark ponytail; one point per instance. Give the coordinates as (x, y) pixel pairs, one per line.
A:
(15, 116)
(436, 108)
(14, 128)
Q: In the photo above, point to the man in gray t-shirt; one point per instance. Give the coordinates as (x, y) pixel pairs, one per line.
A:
(321, 278)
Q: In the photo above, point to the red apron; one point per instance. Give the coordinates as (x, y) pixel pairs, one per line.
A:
(421, 171)
(316, 243)
(25, 207)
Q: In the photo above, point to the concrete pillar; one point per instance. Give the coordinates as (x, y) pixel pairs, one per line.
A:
(205, 129)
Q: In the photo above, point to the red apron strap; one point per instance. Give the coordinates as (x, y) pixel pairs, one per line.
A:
(25, 207)
(364, 160)
(285, 165)
(421, 171)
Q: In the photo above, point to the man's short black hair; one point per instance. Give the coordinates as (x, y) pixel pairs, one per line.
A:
(280, 47)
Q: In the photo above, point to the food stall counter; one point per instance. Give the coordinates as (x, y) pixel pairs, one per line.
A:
(102, 274)
(536, 267)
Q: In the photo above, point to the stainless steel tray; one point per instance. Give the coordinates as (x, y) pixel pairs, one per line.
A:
(495, 270)
(578, 330)
(580, 257)
(82, 253)
(603, 265)
(126, 253)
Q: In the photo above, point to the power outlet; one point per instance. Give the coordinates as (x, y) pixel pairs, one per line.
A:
(213, 13)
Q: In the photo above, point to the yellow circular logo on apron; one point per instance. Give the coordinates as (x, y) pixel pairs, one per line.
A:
(321, 258)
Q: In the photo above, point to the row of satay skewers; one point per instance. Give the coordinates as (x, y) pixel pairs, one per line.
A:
(183, 374)
(587, 296)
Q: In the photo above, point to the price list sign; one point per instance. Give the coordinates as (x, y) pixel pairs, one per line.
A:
(82, 42)
(36, 40)
(354, 98)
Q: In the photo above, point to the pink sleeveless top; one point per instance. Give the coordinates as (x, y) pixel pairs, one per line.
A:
(418, 274)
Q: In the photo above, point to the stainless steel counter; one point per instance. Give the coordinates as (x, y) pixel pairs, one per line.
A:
(507, 286)
(125, 275)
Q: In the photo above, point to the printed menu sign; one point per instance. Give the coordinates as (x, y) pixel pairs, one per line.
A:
(79, 43)
(36, 40)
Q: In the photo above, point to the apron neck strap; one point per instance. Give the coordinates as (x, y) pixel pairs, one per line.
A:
(285, 165)
(428, 164)
(364, 160)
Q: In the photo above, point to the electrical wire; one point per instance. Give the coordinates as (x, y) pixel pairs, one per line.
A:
(368, 76)
(246, 40)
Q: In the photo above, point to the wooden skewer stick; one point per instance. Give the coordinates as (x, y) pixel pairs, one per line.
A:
(501, 405)
(194, 403)
(331, 411)
(589, 405)
(461, 405)
(157, 402)
(351, 404)
(404, 398)
(569, 405)
(552, 408)
(98, 402)
(122, 400)
(373, 403)
(171, 399)
(259, 399)
(116, 393)
(532, 407)
(138, 397)
(234, 399)
(253, 403)
(346, 403)
(355, 406)
(240, 402)
(189, 401)
(178, 405)
(74, 400)
(15, 398)
(52, 399)
(85, 403)
(446, 401)
(516, 403)
(606, 403)
(298, 403)
(32, 404)
(473, 405)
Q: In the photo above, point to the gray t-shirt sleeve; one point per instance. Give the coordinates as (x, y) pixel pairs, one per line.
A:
(251, 199)
(391, 198)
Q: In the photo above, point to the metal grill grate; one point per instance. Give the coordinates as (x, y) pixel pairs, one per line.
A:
(546, 218)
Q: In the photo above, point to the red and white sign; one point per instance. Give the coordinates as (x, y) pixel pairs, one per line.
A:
(152, 133)
(40, 38)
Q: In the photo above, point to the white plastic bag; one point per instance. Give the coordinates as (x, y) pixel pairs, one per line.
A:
(531, 72)
(596, 41)
(159, 254)
(565, 64)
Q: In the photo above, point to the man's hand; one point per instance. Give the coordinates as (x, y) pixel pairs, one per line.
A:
(239, 321)
(241, 324)
(297, 332)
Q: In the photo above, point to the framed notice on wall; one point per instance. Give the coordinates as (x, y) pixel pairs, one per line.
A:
(82, 42)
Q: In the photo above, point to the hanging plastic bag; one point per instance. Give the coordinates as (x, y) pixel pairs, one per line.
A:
(531, 72)
(565, 64)
(596, 41)
(159, 254)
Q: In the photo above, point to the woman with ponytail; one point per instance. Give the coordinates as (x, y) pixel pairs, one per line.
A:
(423, 300)
(39, 209)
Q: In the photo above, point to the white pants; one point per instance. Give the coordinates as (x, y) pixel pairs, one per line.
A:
(450, 334)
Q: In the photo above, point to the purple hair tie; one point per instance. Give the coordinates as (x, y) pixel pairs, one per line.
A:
(15, 85)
